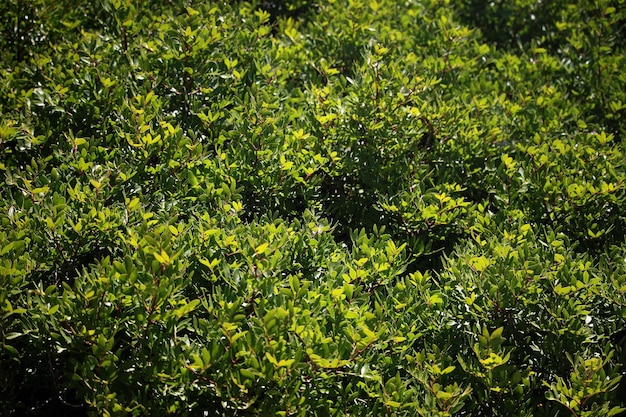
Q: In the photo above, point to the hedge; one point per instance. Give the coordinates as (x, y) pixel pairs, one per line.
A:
(326, 208)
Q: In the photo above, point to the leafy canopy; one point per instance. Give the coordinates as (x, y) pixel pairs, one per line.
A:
(348, 207)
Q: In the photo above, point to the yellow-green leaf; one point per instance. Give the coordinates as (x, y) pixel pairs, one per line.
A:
(261, 248)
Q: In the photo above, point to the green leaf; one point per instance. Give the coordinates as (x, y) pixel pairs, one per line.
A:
(162, 257)
(261, 248)
(479, 263)
(12, 351)
(435, 299)
(271, 358)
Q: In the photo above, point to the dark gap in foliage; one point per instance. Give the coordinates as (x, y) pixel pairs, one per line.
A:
(50, 403)
(512, 24)
(618, 340)
(36, 387)
(296, 9)
(260, 202)
(574, 224)
(598, 246)
(434, 259)
(71, 267)
(350, 204)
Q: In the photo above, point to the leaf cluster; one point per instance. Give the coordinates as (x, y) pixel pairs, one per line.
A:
(351, 207)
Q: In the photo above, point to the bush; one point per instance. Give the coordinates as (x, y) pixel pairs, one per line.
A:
(312, 208)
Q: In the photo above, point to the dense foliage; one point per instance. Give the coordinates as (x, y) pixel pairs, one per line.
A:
(346, 208)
